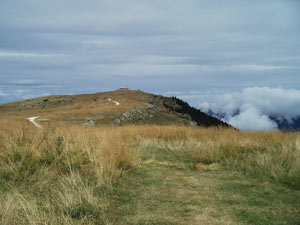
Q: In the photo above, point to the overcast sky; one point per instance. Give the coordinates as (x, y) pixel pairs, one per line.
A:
(194, 49)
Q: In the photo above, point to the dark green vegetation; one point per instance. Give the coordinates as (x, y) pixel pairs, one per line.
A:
(202, 119)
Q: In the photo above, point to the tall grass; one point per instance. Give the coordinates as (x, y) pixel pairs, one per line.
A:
(70, 201)
(272, 155)
(55, 175)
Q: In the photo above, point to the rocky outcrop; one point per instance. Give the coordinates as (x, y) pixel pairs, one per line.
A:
(166, 110)
(42, 103)
(136, 115)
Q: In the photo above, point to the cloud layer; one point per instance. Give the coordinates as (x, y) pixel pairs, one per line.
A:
(172, 45)
(253, 108)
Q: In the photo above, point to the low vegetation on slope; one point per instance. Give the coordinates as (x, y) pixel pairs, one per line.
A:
(135, 107)
(147, 175)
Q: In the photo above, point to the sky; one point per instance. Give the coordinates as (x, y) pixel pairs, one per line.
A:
(199, 50)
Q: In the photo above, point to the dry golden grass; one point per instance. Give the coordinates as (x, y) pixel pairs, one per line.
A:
(102, 150)
(85, 106)
(69, 201)
(54, 175)
(49, 176)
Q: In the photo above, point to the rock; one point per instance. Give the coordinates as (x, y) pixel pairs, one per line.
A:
(149, 103)
(194, 124)
(90, 123)
(186, 116)
(42, 103)
(67, 99)
(137, 114)
(116, 121)
(127, 115)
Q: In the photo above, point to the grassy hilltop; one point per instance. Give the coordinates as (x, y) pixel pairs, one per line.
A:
(135, 107)
(67, 173)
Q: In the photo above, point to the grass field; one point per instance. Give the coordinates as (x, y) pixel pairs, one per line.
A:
(68, 174)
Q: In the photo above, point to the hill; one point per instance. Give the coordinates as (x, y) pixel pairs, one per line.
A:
(68, 173)
(119, 107)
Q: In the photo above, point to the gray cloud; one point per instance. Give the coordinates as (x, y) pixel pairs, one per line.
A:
(2, 94)
(157, 46)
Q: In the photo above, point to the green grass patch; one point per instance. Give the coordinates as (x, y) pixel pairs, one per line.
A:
(257, 202)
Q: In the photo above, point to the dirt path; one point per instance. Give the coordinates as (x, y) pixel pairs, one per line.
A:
(31, 119)
(117, 103)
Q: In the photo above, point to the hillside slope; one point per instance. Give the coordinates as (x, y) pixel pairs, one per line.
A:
(119, 107)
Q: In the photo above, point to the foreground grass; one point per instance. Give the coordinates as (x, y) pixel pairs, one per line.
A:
(162, 195)
(147, 175)
(54, 176)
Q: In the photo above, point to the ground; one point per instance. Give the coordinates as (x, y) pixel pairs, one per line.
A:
(163, 192)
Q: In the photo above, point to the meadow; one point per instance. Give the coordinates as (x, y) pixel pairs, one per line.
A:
(71, 174)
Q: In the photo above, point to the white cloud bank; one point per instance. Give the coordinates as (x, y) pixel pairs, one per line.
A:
(8, 54)
(251, 109)
(2, 94)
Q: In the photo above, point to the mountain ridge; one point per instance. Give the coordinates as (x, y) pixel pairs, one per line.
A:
(120, 107)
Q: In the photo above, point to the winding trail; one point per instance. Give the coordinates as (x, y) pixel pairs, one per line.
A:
(31, 119)
(117, 103)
